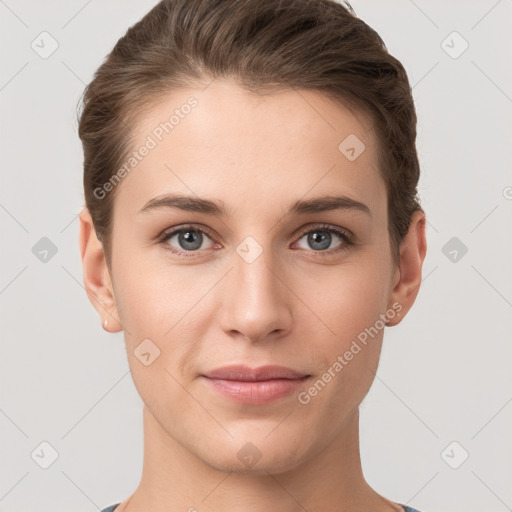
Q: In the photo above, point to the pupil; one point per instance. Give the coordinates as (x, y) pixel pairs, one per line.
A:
(324, 239)
(189, 240)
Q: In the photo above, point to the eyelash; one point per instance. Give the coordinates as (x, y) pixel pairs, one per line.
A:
(343, 234)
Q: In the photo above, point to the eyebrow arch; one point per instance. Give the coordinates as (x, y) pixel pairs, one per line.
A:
(186, 203)
(209, 207)
(328, 203)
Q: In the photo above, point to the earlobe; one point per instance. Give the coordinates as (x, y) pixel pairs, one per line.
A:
(412, 254)
(96, 275)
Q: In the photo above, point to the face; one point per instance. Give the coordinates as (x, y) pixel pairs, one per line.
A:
(288, 264)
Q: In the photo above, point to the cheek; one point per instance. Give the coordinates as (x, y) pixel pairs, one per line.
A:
(348, 298)
(152, 296)
(348, 355)
(155, 305)
(162, 303)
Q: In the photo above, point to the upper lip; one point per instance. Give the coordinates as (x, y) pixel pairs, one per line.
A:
(248, 374)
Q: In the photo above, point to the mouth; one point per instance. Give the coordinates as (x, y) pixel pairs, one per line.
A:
(254, 385)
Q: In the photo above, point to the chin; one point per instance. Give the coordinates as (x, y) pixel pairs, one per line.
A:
(262, 458)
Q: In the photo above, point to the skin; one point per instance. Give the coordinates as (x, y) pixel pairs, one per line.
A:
(296, 305)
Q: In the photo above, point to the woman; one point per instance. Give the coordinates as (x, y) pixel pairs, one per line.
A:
(251, 225)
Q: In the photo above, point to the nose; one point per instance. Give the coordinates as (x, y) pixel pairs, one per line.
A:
(256, 303)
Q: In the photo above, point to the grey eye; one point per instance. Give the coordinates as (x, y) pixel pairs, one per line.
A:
(319, 239)
(189, 239)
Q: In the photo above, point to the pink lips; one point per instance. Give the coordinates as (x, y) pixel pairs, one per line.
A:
(254, 385)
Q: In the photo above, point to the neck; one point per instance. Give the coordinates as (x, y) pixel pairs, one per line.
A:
(173, 479)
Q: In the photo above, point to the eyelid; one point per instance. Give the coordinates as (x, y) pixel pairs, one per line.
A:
(345, 235)
(172, 231)
(167, 232)
(328, 227)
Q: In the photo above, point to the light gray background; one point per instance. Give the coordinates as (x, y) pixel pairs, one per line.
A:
(445, 370)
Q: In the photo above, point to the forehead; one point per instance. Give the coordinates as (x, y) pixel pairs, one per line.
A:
(221, 138)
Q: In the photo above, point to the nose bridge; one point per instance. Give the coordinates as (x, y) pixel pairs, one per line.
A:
(258, 300)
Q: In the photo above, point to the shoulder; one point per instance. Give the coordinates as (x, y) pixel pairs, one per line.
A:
(112, 507)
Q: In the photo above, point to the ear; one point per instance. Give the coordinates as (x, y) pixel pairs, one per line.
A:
(407, 278)
(96, 275)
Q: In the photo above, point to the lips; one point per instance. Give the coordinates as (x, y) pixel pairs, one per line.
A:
(254, 386)
(242, 373)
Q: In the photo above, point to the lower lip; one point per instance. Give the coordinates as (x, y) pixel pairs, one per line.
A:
(260, 392)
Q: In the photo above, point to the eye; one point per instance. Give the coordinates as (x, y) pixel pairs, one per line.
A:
(185, 239)
(321, 238)
(189, 240)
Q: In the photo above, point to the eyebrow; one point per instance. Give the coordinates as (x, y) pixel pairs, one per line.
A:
(209, 207)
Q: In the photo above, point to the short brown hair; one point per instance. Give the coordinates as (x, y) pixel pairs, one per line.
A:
(264, 45)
